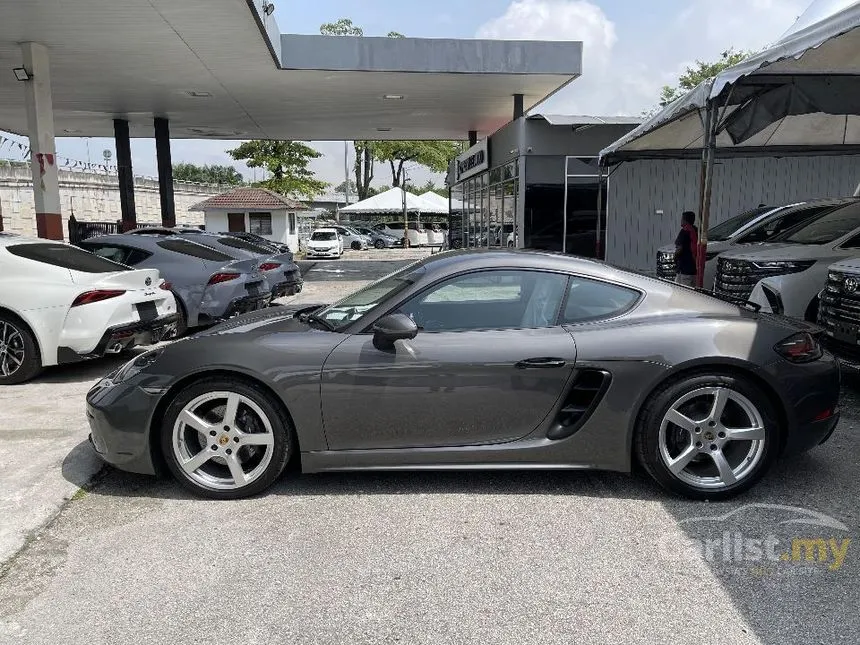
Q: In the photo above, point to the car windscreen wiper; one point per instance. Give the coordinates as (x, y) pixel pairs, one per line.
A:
(310, 315)
(743, 302)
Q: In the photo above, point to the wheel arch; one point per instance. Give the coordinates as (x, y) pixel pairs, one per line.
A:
(14, 314)
(188, 380)
(719, 366)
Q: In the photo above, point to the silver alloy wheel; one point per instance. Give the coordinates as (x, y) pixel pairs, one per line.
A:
(223, 440)
(712, 437)
(11, 349)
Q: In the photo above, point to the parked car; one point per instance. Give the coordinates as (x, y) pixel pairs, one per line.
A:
(60, 304)
(209, 285)
(751, 227)
(507, 359)
(325, 243)
(415, 236)
(786, 275)
(435, 235)
(380, 240)
(352, 239)
(281, 273)
(259, 240)
(839, 312)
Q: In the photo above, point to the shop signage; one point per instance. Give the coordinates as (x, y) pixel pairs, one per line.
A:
(475, 160)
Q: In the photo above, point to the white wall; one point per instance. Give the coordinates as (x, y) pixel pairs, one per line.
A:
(638, 189)
(217, 221)
(93, 197)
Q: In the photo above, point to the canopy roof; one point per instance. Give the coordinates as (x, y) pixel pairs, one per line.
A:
(221, 69)
(442, 202)
(799, 95)
(391, 201)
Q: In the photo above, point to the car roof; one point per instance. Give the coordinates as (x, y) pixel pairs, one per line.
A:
(325, 229)
(136, 240)
(13, 239)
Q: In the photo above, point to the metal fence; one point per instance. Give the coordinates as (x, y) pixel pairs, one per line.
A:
(79, 231)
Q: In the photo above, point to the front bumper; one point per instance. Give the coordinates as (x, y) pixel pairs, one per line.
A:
(119, 415)
(311, 253)
(121, 337)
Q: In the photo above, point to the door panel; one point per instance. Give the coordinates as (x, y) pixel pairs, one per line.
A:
(443, 389)
(236, 222)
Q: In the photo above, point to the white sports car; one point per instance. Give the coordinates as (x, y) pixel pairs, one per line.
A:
(60, 304)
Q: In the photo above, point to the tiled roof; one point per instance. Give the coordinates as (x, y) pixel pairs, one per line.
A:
(249, 198)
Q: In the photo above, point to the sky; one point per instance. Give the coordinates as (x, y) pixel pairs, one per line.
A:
(631, 48)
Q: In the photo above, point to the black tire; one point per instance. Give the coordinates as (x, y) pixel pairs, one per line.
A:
(379, 244)
(457, 244)
(282, 431)
(21, 339)
(647, 439)
(355, 246)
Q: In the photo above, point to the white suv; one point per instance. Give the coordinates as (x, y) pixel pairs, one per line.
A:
(752, 227)
(786, 275)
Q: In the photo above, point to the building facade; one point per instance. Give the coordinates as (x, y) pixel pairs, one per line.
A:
(513, 188)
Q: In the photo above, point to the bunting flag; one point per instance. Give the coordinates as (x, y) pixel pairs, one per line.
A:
(16, 147)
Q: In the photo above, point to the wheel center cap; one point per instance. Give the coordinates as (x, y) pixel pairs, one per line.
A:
(709, 436)
(223, 440)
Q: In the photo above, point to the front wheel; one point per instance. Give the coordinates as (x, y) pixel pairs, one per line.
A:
(457, 244)
(355, 246)
(379, 244)
(708, 437)
(225, 439)
(19, 355)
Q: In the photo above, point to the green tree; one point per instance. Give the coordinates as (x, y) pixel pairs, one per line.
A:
(428, 186)
(434, 155)
(287, 162)
(699, 72)
(208, 174)
(343, 27)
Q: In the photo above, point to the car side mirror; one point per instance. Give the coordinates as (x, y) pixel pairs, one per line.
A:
(391, 328)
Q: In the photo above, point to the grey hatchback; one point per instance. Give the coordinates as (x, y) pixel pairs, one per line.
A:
(482, 359)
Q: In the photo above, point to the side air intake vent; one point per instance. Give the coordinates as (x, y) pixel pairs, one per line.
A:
(589, 386)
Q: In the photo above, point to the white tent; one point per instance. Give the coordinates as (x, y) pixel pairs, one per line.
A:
(802, 92)
(441, 202)
(391, 201)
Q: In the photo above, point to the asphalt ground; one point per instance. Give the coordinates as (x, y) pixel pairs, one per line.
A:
(463, 557)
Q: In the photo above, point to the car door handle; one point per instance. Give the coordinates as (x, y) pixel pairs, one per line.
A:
(540, 363)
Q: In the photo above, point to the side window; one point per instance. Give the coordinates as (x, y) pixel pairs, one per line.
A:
(489, 300)
(589, 300)
(185, 247)
(853, 243)
(780, 224)
(112, 253)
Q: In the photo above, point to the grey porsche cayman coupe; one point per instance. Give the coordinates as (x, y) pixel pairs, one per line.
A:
(478, 359)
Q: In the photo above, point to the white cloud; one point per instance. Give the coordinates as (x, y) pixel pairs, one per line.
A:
(624, 69)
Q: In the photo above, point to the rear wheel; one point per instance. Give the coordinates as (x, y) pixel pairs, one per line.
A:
(19, 355)
(225, 439)
(355, 246)
(379, 244)
(708, 437)
(457, 244)
(182, 319)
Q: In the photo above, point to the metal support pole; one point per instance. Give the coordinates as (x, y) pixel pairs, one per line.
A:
(564, 211)
(346, 171)
(599, 245)
(124, 174)
(165, 172)
(518, 106)
(710, 144)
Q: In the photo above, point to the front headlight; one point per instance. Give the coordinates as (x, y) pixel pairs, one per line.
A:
(784, 266)
(137, 364)
(666, 256)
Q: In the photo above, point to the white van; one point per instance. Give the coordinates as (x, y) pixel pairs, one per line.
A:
(415, 236)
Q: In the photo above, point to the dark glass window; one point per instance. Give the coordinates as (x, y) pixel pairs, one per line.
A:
(67, 257)
(772, 227)
(194, 250)
(122, 254)
(260, 223)
(245, 245)
(589, 300)
(825, 228)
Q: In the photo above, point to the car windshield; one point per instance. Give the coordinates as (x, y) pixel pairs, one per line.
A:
(323, 236)
(824, 229)
(345, 312)
(730, 227)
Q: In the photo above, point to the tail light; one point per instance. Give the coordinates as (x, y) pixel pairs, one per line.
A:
(165, 285)
(799, 348)
(89, 297)
(222, 276)
(269, 266)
